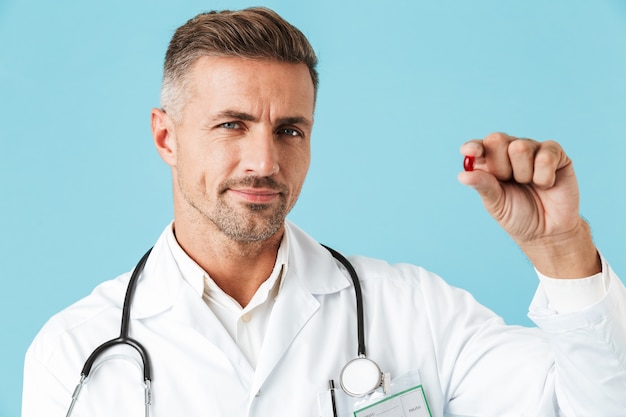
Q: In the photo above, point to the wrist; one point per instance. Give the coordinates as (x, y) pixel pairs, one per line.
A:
(570, 254)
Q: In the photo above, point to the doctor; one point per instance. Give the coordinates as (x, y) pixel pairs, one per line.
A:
(243, 314)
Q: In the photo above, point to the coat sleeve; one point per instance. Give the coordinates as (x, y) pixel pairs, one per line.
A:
(589, 349)
(43, 394)
(570, 365)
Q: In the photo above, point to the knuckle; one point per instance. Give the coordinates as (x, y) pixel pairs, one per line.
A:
(546, 158)
(522, 147)
(496, 139)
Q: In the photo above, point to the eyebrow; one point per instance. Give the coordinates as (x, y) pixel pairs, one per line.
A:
(246, 117)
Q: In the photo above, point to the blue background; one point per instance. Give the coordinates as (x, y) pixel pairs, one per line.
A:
(403, 84)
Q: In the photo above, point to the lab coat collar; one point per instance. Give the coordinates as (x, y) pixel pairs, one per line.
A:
(159, 282)
(310, 266)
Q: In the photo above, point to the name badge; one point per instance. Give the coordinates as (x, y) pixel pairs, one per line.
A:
(408, 403)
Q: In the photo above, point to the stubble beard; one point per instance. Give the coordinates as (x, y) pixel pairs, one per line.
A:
(247, 223)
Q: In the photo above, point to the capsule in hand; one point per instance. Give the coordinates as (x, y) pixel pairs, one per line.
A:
(468, 163)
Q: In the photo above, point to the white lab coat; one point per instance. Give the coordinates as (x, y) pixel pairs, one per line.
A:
(469, 362)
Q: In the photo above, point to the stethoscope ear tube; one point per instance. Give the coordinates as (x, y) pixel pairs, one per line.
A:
(128, 341)
(123, 338)
(130, 292)
(361, 351)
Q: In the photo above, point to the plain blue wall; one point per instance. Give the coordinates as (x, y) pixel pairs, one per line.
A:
(403, 84)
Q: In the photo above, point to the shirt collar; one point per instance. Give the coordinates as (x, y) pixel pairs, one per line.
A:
(194, 275)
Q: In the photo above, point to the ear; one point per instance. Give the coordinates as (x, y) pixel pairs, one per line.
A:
(163, 133)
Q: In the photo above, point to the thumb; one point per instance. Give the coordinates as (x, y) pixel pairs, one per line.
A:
(488, 187)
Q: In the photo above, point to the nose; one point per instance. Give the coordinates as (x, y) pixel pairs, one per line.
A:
(260, 154)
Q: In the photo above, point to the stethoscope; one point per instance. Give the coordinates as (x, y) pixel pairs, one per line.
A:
(359, 377)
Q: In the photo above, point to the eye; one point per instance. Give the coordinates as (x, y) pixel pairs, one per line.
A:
(230, 125)
(286, 131)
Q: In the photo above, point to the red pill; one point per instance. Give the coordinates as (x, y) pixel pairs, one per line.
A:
(468, 163)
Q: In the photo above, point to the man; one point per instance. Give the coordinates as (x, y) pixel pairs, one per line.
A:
(242, 313)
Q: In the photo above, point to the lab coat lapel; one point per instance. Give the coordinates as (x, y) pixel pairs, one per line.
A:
(162, 290)
(190, 310)
(311, 271)
(293, 309)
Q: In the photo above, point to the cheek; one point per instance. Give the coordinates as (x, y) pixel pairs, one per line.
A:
(206, 167)
(298, 168)
(298, 161)
(306, 161)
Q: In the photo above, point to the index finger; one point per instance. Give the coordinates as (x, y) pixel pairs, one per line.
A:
(473, 151)
(473, 148)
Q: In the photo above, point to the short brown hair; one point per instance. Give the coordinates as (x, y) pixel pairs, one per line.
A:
(255, 33)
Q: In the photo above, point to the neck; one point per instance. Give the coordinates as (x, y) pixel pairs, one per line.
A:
(238, 268)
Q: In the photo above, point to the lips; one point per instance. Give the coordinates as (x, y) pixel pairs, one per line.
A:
(254, 190)
(255, 195)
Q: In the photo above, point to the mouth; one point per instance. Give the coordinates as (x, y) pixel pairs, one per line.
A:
(255, 195)
(255, 190)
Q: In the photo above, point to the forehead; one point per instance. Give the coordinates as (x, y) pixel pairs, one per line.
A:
(251, 83)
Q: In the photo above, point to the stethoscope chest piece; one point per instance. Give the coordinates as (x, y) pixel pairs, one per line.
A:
(360, 377)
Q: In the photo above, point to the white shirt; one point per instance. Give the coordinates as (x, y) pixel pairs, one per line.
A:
(246, 325)
(469, 363)
(571, 295)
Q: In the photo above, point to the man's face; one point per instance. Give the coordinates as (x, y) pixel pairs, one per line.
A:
(241, 149)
